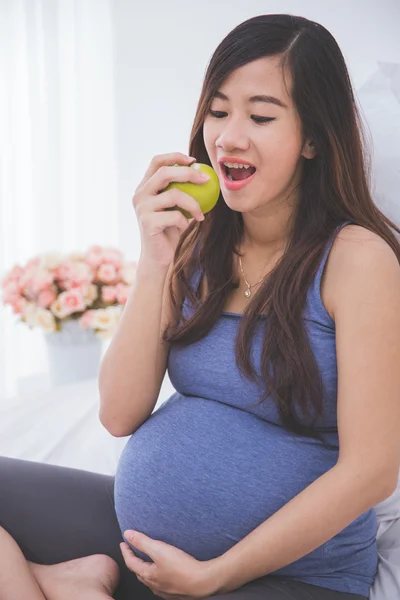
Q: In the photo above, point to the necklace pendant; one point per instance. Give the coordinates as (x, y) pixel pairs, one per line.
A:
(247, 293)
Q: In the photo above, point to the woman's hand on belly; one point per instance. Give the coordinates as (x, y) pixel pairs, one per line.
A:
(173, 574)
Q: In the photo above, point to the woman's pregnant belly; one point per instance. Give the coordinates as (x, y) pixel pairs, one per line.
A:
(201, 475)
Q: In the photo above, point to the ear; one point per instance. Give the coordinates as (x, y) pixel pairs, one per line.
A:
(309, 150)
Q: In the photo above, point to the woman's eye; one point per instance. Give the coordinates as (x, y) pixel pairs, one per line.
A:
(219, 115)
(262, 119)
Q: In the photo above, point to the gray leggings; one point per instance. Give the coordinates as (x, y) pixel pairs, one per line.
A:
(57, 514)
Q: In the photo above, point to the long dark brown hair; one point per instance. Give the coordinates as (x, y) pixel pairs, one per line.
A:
(334, 188)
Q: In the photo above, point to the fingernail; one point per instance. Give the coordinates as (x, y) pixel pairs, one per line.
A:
(204, 176)
(129, 534)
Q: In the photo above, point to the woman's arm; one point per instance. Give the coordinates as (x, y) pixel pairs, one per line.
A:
(133, 368)
(365, 284)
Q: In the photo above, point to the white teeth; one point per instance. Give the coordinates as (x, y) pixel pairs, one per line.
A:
(236, 165)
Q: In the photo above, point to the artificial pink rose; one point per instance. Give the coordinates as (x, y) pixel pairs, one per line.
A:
(63, 270)
(57, 310)
(81, 273)
(69, 284)
(113, 256)
(11, 292)
(33, 262)
(13, 275)
(109, 293)
(42, 281)
(46, 297)
(122, 293)
(94, 256)
(72, 273)
(97, 256)
(89, 292)
(71, 301)
(19, 305)
(86, 319)
(107, 274)
(26, 281)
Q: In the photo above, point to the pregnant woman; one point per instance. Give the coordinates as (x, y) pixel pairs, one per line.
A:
(277, 318)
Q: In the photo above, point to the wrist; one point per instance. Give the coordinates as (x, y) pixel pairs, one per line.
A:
(147, 268)
(216, 579)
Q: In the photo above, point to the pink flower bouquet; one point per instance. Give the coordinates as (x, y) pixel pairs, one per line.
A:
(91, 287)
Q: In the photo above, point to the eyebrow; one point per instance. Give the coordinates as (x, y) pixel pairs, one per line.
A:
(254, 99)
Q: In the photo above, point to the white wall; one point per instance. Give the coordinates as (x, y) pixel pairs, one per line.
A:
(162, 49)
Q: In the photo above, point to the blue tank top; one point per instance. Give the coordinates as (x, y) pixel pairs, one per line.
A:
(208, 467)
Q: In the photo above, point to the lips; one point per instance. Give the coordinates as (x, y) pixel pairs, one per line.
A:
(234, 185)
(238, 173)
(234, 159)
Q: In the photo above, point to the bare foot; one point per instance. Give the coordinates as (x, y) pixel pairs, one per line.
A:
(89, 578)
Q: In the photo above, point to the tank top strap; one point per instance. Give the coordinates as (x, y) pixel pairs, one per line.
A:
(315, 308)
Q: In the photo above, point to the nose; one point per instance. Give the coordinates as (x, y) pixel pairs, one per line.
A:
(232, 137)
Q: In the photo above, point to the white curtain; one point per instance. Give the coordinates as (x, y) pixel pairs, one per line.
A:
(58, 154)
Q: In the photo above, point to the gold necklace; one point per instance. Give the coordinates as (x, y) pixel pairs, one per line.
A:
(248, 291)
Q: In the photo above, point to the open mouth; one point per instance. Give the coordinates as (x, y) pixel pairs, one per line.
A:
(238, 173)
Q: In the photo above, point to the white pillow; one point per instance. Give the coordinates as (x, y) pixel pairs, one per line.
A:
(379, 98)
(387, 581)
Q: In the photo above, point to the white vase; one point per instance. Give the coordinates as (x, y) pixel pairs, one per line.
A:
(73, 353)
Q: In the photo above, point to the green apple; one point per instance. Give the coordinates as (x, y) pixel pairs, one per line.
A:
(206, 194)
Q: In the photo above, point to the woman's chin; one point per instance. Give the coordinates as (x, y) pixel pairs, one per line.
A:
(238, 205)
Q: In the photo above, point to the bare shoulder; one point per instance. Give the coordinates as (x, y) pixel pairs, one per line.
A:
(358, 259)
(356, 245)
(356, 236)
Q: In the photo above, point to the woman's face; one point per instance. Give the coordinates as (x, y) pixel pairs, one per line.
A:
(235, 129)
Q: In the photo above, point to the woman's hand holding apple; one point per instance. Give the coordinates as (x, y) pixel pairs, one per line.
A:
(160, 225)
